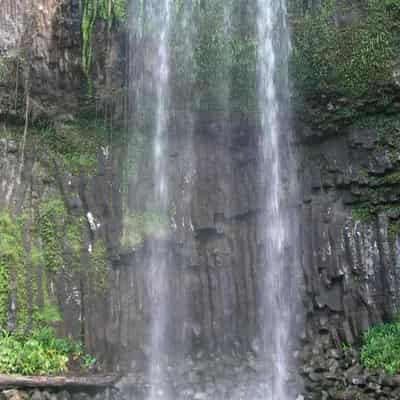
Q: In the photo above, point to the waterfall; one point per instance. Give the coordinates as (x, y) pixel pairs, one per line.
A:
(158, 274)
(187, 74)
(159, 79)
(150, 90)
(278, 177)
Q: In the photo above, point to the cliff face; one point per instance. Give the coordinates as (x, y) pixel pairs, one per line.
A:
(348, 134)
(75, 199)
(60, 175)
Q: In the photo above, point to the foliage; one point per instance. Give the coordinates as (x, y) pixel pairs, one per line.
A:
(99, 267)
(225, 58)
(11, 256)
(51, 223)
(74, 144)
(381, 348)
(109, 10)
(350, 57)
(39, 352)
(382, 194)
(213, 55)
(47, 315)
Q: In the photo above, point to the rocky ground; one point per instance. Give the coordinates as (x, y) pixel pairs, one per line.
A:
(64, 394)
(339, 375)
(326, 375)
(212, 378)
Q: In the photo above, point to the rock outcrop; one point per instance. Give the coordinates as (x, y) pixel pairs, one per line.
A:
(349, 174)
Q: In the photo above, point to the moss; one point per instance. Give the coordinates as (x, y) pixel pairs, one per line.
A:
(342, 64)
(52, 217)
(11, 257)
(99, 269)
(383, 192)
(348, 57)
(74, 145)
(73, 235)
(14, 270)
(225, 62)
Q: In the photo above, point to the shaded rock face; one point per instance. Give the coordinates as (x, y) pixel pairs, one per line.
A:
(213, 253)
(350, 260)
(41, 43)
(350, 265)
(41, 50)
(27, 187)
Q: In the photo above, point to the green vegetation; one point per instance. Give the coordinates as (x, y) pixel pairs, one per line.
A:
(343, 61)
(381, 348)
(11, 258)
(213, 57)
(52, 220)
(74, 145)
(18, 275)
(382, 194)
(30, 345)
(40, 352)
(108, 10)
(225, 59)
(99, 267)
(350, 57)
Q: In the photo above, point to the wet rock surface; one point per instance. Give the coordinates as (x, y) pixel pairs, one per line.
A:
(61, 394)
(331, 374)
(212, 378)
(350, 264)
(350, 235)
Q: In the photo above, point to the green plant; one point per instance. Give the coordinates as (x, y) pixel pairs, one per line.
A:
(381, 348)
(350, 58)
(51, 223)
(11, 259)
(88, 361)
(48, 314)
(39, 352)
(74, 145)
(99, 270)
(109, 10)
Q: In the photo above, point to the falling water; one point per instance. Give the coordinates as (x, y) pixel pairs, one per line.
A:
(163, 92)
(158, 278)
(150, 77)
(278, 178)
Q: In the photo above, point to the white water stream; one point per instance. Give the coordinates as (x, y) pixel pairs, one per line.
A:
(279, 179)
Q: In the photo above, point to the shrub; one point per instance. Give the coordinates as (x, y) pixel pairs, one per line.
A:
(381, 348)
(40, 352)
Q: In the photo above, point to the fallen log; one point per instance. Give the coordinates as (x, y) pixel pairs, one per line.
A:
(90, 381)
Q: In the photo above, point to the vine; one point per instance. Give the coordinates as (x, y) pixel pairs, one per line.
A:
(108, 10)
(52, 216)
(12, 265)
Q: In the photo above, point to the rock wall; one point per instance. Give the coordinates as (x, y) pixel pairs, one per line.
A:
(213, 252)
(60, 175)
(349, 176)
(351, 260)
(347, 134)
